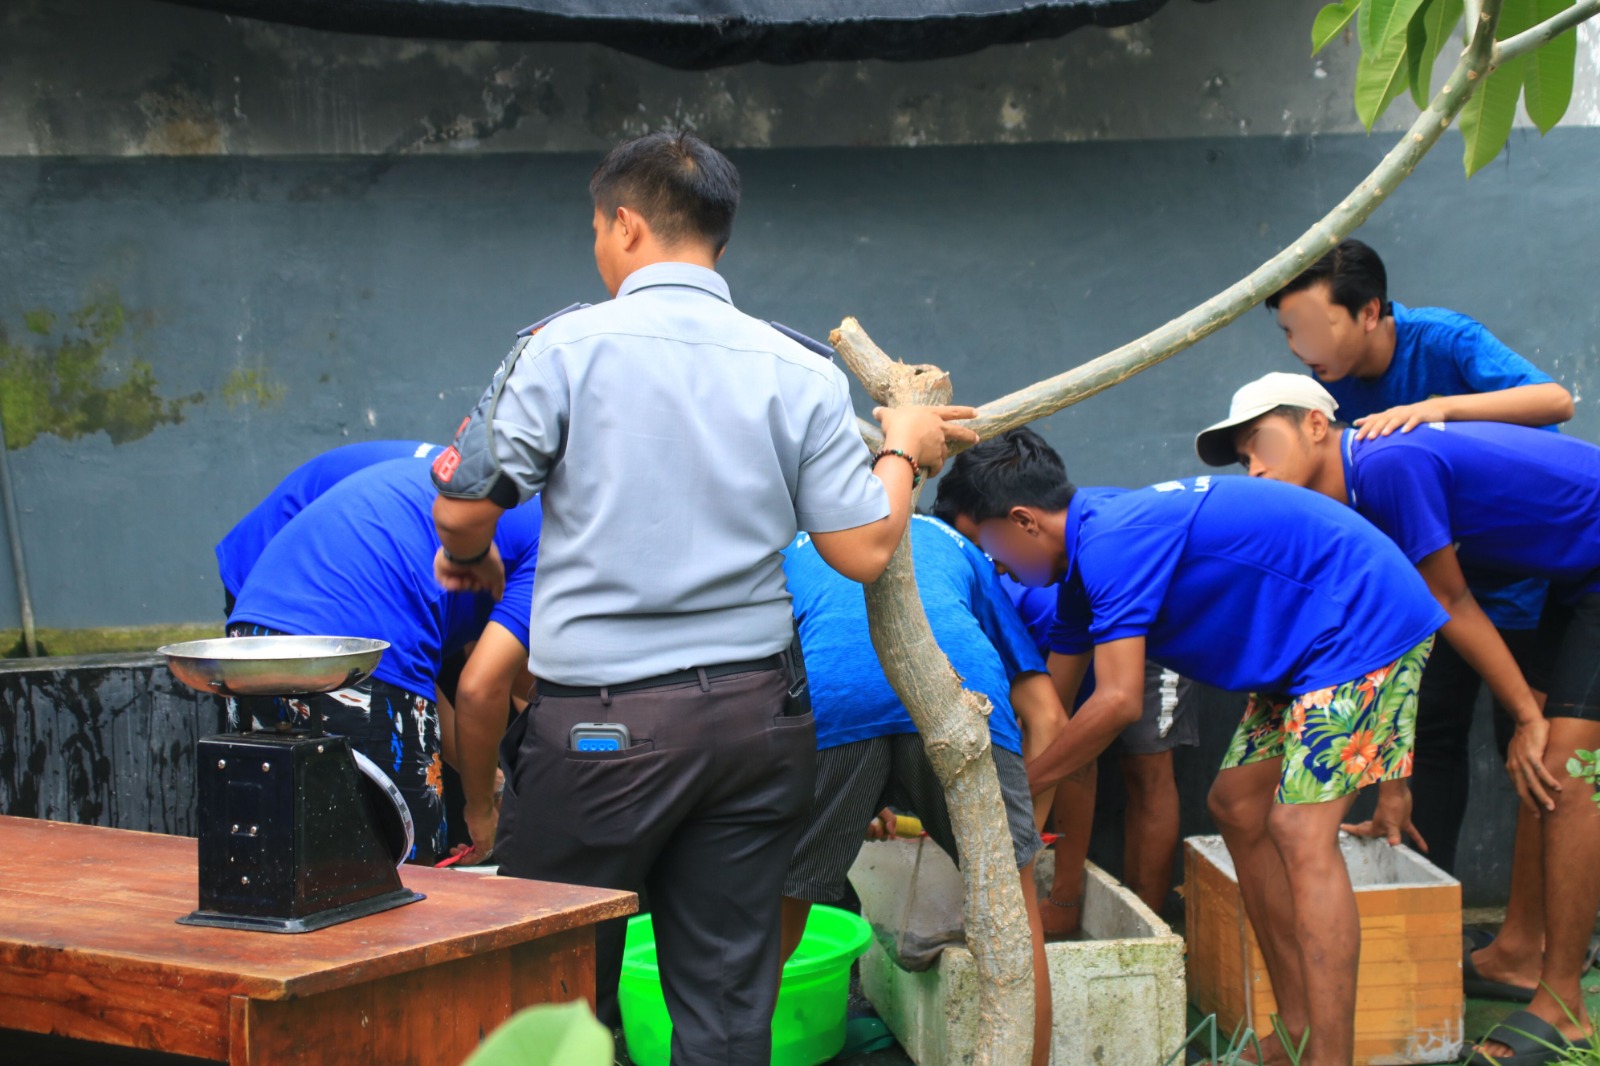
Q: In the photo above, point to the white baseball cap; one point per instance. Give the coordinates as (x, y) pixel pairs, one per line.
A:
(1278, 389)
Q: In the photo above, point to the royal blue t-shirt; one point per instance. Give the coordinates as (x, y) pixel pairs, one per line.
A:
(1516, 502)
(972, 620)
(1442, 353)
(238, 551)
(1037, 609)
(1035, 606)
(1241, 583)
(515, 609)
(1436, 353)
(358, 562)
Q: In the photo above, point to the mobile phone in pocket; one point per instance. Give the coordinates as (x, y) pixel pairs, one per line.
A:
(599, 736)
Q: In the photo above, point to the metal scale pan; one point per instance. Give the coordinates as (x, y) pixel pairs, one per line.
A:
(298, 831)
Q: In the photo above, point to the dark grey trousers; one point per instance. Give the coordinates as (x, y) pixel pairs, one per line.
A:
(700, 816)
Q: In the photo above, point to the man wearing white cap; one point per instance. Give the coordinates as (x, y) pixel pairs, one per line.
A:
(1248, 586)
(1480, 497)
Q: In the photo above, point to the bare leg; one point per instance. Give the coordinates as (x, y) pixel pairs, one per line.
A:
(1150, 837)
(1042, 1003)
(1074, 815)
(1327, 924)
(1571, 885)
(1241, 801)
(794, 915)
(1517, 954)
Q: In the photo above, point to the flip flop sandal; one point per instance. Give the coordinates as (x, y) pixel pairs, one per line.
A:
(1477, 986)
(865, 1035)
(1532, 1040)
(1478, 938)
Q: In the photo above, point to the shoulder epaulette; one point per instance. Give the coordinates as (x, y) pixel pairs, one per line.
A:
(804, 341)
(547, 319)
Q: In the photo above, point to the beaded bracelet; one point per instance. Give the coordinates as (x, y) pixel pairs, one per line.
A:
(916, 470)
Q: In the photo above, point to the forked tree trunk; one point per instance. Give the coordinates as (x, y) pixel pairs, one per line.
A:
(954, 724)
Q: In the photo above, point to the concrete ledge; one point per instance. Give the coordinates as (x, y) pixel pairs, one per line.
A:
(101, 740)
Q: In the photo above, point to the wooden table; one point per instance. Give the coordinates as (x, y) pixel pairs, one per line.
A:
(89, 948)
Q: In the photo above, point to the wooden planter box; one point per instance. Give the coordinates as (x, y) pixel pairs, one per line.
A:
(1408, 994)
(1118, 997)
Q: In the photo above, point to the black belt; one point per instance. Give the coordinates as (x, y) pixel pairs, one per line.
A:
(677, 677)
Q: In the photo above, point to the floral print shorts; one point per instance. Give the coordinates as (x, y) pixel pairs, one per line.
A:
(1336, 741)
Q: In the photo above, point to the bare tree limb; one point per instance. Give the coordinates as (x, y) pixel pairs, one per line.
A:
(1546, 31)
(1053, 394)
(954, 725)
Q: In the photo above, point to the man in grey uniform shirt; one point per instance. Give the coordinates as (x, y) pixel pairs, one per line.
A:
(679, 445)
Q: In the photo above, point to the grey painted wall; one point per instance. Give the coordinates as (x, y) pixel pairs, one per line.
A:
(373, 297)
(135, 77)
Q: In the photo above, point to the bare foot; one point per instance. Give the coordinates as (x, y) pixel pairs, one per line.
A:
(1546, 1008)
(1496, 964)
(1273, 1053)
(1060, 916)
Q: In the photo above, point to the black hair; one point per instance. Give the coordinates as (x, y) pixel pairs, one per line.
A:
(1354, 275)
(685, 189)
(1015, 469)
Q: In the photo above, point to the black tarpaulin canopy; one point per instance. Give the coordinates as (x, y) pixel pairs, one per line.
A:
(696, 34)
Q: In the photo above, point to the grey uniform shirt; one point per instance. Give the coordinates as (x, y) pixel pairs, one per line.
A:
(679, 444)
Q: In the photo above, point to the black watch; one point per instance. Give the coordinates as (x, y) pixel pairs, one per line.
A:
(471, 560)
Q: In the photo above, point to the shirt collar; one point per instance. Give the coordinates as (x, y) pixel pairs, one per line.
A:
(1347, 456)
(1069, 533)
(676, 275)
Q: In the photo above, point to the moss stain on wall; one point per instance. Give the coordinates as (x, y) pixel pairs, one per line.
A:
(67, 382)
(252, 386)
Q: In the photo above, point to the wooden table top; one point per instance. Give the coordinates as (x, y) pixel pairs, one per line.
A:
(87, 899)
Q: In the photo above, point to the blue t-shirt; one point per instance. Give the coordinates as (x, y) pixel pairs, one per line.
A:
(1442, 353)
(358, 562)
(1241, 583)
(1037, 609)
(515, 609)
(1436, 353)
(1516, 502)
(972, 620)
(238, 551)
(1035, 606)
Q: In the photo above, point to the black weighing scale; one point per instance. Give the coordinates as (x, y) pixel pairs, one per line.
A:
(298, 831)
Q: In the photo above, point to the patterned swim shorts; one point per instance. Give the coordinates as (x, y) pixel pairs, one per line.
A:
(1336, 741)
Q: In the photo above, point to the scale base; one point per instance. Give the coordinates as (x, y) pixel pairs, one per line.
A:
(311, 922)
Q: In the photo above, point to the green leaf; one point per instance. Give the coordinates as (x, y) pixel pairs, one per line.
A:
(1486, 119)
(1438, 20)
(1384, 20)
(551, 1035)
(1576, 768)
(1380, 77)
(1548, 87)
(1330, 21)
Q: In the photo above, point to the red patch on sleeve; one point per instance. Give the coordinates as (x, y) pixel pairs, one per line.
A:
(462, 428)
(444, 467)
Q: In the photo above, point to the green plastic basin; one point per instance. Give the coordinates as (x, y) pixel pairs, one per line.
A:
(808, 1025)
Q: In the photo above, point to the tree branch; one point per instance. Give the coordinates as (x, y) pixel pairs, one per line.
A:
(870, 433)
(1053, 394)
(1546, 31)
